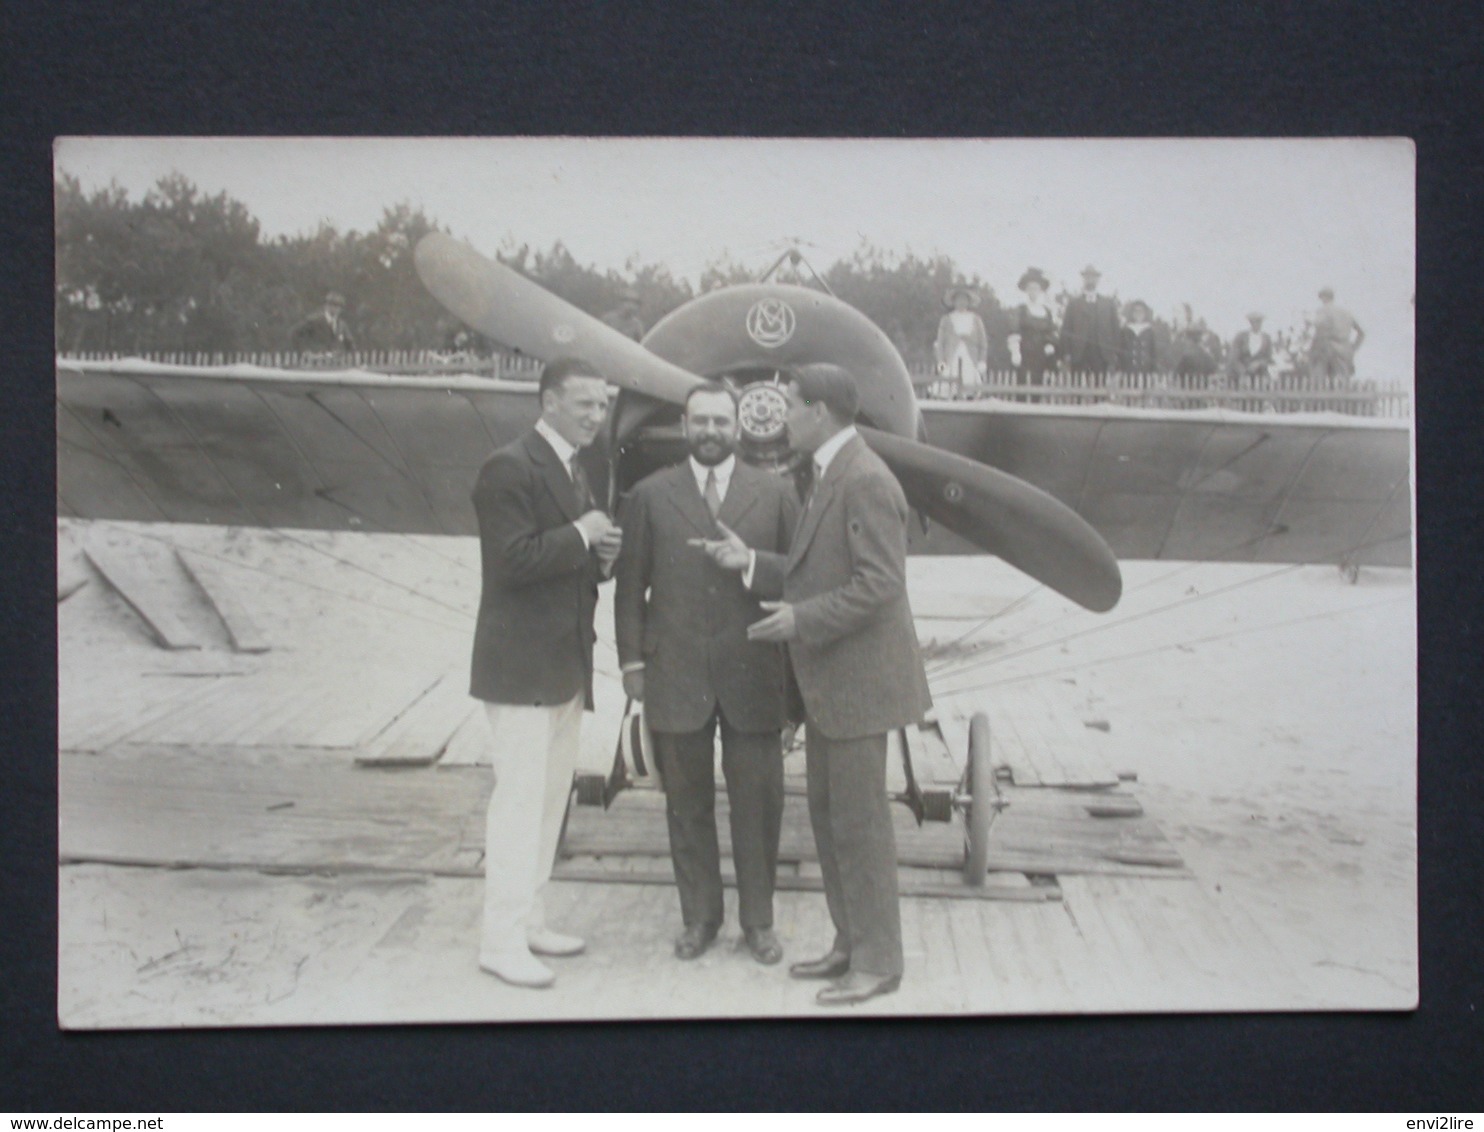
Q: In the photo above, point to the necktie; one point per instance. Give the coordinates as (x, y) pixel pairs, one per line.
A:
(579, 482)
(812, 487)
(804, 481)
(712, 495)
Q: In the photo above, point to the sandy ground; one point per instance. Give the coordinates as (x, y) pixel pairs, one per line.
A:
(1268, 711)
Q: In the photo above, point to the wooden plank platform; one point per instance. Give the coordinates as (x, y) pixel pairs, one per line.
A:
(305, 854)
(241, 626)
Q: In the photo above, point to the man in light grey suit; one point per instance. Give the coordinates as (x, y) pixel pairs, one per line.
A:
(682, 643)
(845, 617)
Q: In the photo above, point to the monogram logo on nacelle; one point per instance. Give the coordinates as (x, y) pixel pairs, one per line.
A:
(770, 323)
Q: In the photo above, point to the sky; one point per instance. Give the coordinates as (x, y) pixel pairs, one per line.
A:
(1229, 226)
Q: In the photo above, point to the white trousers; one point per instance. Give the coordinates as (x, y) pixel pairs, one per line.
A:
(534, 756)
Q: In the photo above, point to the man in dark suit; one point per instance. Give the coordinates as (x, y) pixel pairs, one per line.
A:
(850, 636)
(324, 329)
(1089, 328)
(1252, 352)
(544, 545)
(682, 642)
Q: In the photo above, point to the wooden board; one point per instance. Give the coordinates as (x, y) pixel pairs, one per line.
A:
(1042, 832)
(95, 714)
(421, 733)
(635, 826)
(932, 761)
(912, 881)
(1053, 832)
(327, 706)
(225, 599)
(154, 596)
(217, 808)
(470, 744)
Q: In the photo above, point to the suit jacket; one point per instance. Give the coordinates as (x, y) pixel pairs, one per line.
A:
(317, 332)
(533, 641)
(690, 627)
(856, 657)
(1089, 331)
(1251, 351)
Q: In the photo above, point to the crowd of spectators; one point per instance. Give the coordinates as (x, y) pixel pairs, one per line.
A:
(1086, 338)
(1097, 339)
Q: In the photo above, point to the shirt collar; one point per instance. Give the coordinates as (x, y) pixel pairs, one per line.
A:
(828, 450)
(564, 451)
(723, 473)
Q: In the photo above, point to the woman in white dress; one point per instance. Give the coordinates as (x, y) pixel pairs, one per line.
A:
(962, 348)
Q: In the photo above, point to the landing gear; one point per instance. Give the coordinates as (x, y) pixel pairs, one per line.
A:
(981, 802)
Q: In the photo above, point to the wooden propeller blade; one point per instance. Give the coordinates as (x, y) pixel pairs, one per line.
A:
(502, 303)
(1031, 530)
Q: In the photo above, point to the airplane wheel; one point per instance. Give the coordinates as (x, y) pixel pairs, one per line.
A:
(981, 802)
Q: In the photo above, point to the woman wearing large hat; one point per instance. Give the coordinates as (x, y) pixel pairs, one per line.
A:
(962, 348)
(1033, 344)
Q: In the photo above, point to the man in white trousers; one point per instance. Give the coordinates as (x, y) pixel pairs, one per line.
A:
(545, 544)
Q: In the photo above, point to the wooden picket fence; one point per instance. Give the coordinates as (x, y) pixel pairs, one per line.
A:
(1288, 393)
(512, 367)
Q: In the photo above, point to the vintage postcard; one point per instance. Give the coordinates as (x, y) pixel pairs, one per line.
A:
(559, 578)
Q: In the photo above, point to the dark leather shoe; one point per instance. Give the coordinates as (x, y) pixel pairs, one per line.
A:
(694, 941)
(830, 966)
(856, 988)
(764, 945)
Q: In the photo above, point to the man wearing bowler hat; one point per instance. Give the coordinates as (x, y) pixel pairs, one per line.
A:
(325, 329)
(1089, 329)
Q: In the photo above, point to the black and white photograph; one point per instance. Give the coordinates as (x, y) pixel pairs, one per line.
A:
(536, 579)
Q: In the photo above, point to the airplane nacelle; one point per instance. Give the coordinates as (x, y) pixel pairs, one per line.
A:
(759, 331)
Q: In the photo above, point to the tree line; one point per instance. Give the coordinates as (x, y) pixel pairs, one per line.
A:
(182, 270)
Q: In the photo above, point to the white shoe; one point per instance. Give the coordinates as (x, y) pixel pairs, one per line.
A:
(518, 968)
(544, 941)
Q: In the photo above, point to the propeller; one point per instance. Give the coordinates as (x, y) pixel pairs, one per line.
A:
(500, 302)
(1031, 530)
